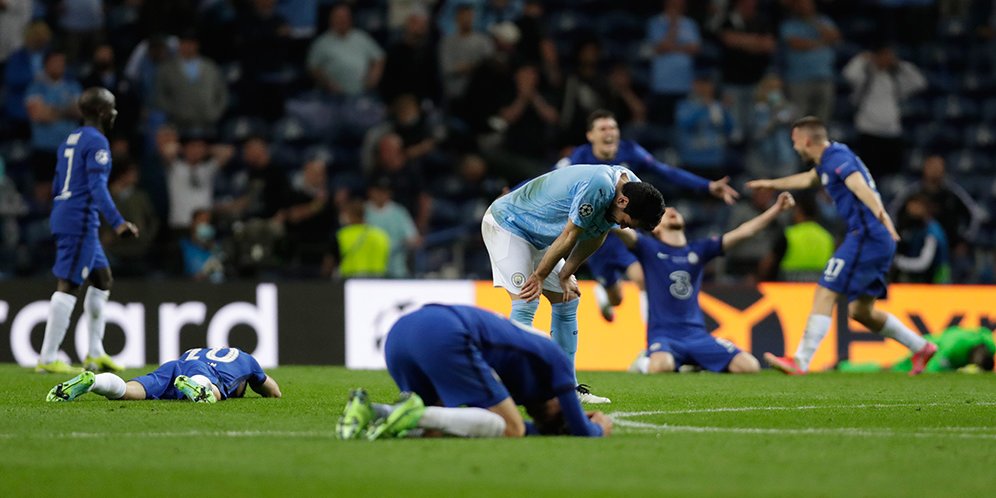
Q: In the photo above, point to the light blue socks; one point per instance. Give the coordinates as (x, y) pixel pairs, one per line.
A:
(564, 327)
(524, 311)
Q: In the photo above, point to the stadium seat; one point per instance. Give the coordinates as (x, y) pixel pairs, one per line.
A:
(980, 137)
(936, 135)
(989, 110)
(619, 26)
(956, 109)
(239, 128)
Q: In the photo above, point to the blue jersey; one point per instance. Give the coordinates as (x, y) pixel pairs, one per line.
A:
(79, 190)
(635, 158)
(230, 366)
(673, 279)
(538, 210)
(836, 164)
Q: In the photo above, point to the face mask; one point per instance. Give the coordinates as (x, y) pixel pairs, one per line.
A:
(204, 232)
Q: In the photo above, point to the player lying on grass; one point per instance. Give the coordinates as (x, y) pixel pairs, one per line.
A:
(473, 368)
(860, 266)
(958, 349)
(676, 330)
(200, 375)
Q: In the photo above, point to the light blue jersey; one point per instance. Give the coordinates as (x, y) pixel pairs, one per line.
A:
(583, 194)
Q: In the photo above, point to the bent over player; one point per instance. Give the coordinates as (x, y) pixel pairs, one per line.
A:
(203, 375)
(564, 214)
(676, 330)
(473, 368)
(859, 267)
(80, 197)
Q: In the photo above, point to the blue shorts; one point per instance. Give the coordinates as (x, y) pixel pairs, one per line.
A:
(78, 255)
(431, 353)
(610, 261)
(860, 267)
(159, 384)
(699, 348)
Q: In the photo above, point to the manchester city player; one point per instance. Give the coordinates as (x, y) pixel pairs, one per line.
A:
(676, 330)
(80, 197)
(201, 375)
(473, 368)
(540, 233)
(612, 260)
(859, 267)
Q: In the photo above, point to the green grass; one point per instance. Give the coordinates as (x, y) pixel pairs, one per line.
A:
(839, 435)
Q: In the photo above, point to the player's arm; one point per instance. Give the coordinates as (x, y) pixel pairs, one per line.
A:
(857, 184)
(628, 236)
(561, 247)
(268, 389)
(98, 169)
(578, 422)
(751, 227)
(798, 181)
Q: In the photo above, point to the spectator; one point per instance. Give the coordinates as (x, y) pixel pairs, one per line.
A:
(958, 214)
(412, 64)
(267, 190)
(82, 23)
(382, 212)
(190, 178)
(263, 49)
(460, 198)
(14, 18)
(748, 44)
(802, 250)
(704, 127)
(585, 90)
(771, 122)
(461, 52)
(364, 250)
(492, 76)
(494, 12)
(409, 123)
(536, 45)
(52, 110)
(881, 82)
(809, 38)
(675, 40)
(922, 255)
(625, 101)
(744, 260)
(191, 90)
(202, 258)
(104, 73)
(130, 256)
(19, 72)
(312, 221)
(145, 62)
(345, 61)
(404, 177)
(302, 18)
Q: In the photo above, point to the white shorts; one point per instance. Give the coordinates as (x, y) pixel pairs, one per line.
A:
(513, 259)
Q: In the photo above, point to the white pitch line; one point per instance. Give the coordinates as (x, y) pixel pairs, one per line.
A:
(789, 408)
(169, 434)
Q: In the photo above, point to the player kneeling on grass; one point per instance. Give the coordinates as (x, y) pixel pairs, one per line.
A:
(473, 368)
(676, 331)
(200, 375)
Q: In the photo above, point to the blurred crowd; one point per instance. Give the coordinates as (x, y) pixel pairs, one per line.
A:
(317, 138)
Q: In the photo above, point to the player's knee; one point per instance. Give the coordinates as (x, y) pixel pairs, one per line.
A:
(102, 279)
(744, 363)
(661, 363)
(856, 311)
(615, 294)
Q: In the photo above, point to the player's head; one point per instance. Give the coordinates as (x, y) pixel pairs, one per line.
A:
(548, 418)
(638, 204)
(603, 133)
(672, 221)
(97, 107)
(981, 357)
(917, 208)
(933, 169)
(809, 134)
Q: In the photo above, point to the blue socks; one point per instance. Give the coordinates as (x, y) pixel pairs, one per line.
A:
(564, 327)
(524, 311)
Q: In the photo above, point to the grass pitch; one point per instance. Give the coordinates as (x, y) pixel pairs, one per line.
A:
(681, 435)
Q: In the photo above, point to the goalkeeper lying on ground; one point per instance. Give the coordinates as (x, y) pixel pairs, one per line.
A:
(961, 349)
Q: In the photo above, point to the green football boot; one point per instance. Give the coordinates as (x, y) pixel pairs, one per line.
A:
(57, 367)
(194, 391)
(356, 416)
(72, 388)
(102, 363)
(405, 417)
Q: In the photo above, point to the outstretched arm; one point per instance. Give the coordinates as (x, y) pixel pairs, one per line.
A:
(798, 181)
(857, 184)
(268, 389)
(751, 227)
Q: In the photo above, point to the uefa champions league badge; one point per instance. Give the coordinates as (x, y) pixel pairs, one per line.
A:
(693, 258)
(585, 210)
(102, 156)
(518, 279)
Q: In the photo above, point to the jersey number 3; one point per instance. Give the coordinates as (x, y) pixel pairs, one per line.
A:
(681, 288)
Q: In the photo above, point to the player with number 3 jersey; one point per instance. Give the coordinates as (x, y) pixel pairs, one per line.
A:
(860, 265)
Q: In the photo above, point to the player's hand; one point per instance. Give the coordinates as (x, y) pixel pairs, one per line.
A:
(785, 201)
(127, 230)
(532, 288)
(570, 286)
(721, 189)
(759, 184)
(603, 421)
(884, 218)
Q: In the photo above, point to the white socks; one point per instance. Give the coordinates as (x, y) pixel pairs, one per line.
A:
(108, 385)
(641, 364)
(464, 422)
(202, 381)
(816, 329)
(93, 310)
(895, 329)
(59, 310)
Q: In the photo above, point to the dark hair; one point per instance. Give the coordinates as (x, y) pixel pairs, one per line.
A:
(806, 203)
(599, 114)
(980, 355)
(812, 125)
(646, 204)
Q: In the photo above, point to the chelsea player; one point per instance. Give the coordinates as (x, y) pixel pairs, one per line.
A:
(474, 369)
(859, 267)
(540, 233)
(676, 330)
(202, 375)
(80, 197)
(612, 260)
